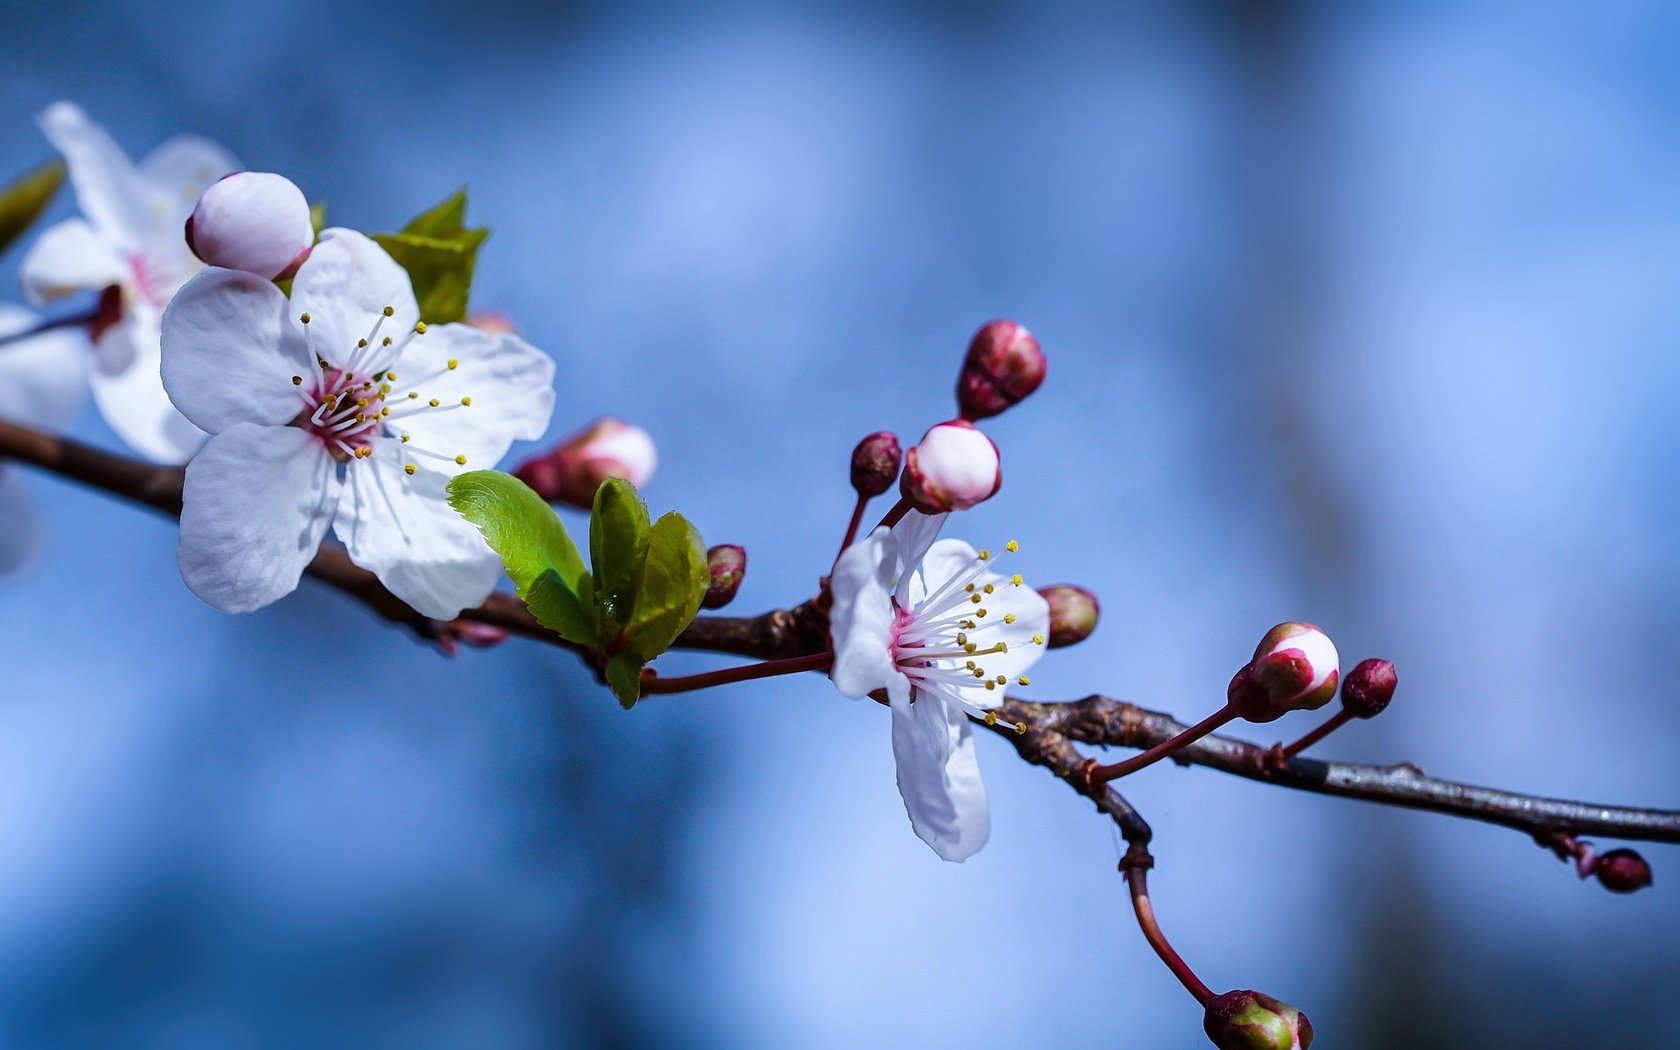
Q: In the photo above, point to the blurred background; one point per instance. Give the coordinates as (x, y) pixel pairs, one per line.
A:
(1361, 314)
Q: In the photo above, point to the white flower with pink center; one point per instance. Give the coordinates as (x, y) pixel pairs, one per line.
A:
(338, 407)
(131, 238)
(944, 635)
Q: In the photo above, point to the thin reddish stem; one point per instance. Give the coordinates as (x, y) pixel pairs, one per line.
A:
(653, 685)
(1137, 882)
(1331, 724)
(1103, 774)
(899, 510)
(851, 530)
(86, 317)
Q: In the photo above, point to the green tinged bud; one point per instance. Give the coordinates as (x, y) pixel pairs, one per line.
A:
(1248, 1020)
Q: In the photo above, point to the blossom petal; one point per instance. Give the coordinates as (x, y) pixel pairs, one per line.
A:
(509, 382)
(256, 504)
(68, 258)
(108, 188)
(939, 776)
(132, 398)
(861, 620)
(43, 379)
(20, 535)
(402, 527)
(180, 169)
(939, 563)
(345, 285)
(915, 533)
(230, 352)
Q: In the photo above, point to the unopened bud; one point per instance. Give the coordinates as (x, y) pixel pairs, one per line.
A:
(1622, 871)
(254, 221)
(492, 321)
(875, 463)
(1004, 365)
(1073, 613)
(728, 564)
(953, 468)
(1295, 668)
(453, 634)
(1247, 1020)
(607, 448)
(1368, 688)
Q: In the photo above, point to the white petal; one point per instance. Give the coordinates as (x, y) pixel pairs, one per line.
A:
(256, 504)
(230, 352)
(509, 382)
(915, 533)
(178, 171)
(68, 258)
(110, 192)
(938, 564)
(20, 529)
(43, 379)
(344, 285)
(132, 398)
(861, 620)
(403, 529)
(939, 776)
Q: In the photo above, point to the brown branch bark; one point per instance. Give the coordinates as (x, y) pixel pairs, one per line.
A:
(1052, 728)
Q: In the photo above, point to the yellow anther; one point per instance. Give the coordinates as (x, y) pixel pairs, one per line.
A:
(1002, 647)
(1038, 639)
(991, 718)
(1015, 580)
(1002, 679)
(389, 310)
(304, 318)
(969, 665)
(1023, 680)
(1008, 617)
(453, 364)
(460, 461)
(969, 588)
(970, 624)
(975, 598)
(384, 412)
(405, 439)
(978, 673)
(1020, 729)
(414, 395)
(332, 400)
(433, 402)
(988, 588)
(297, 380)
(361, 402)
(409, 468)
(980, 612)
(971, 647)
(361, 344)
(384, 388)
(364, 452)
(420, 327)
(361, 417)
(392, 376)
(1012, 546)
(985, 555)
(466, 401)
(990, 685)
(962, 639)
(348, 376)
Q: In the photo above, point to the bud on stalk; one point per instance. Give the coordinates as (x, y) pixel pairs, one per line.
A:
(1369, 687)
(1295, 668)
(1247, 1020)
(875, 463)
(1073, 613)
(953, 468)
(607, 448)
(728, 565)
(1004, 365)
(1622, 871)
(254, 221)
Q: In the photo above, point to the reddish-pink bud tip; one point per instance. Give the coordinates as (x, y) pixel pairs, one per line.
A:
(875, 463)
(952, 468)
(1369, 687)
(1004, 364)
(728, 565)
(1622, 871)
(1295, 668)
(575, 468)
(1249, 1020)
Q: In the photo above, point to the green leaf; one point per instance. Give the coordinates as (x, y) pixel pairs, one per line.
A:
(673, 580)
(439, 252)
(618, 545)
(23, 201)
(624, 675)
(533, 543)
(318, 217)
(560, 610)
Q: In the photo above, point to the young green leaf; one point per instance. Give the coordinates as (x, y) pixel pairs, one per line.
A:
(23, 201)
(672, 583)
(439, 252)
(561, 611)
(624, 675)
(520, 527)
(618, 545)
(318, 217)
(445, 219)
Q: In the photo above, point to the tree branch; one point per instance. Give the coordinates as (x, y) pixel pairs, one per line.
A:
(1052, 728)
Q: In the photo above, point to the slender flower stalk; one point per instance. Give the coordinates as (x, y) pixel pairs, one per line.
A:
(1336, 721)
(654, 685)
(1095, 775)
(50, 324)
(1137, 882)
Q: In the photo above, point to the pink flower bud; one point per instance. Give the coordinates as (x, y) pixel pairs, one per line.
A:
(453, 634)
(1295, 668)
(728, 564)
(1622, 871)
(492, 321)
(1073, 613)
(1247, 1020)
(1004, 365)
(1369, 687)
(252, 221)
(875, 463)
(953, 468)
(607, 448)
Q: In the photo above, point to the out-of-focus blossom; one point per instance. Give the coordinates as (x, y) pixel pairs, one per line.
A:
(339, 408)
(1003, 365)
(254, 221)
(939, 631)
(129, 238)
(575, 468)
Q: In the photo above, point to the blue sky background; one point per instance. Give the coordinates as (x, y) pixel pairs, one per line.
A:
(1362, 314)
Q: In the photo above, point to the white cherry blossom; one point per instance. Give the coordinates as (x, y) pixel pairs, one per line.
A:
(43, 382)
(338, 407)
(943, 634)
(130, 237)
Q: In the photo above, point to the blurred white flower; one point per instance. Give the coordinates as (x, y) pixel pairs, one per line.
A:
(313, 425)
(943, 634)
(130, 238)
(43, 382)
